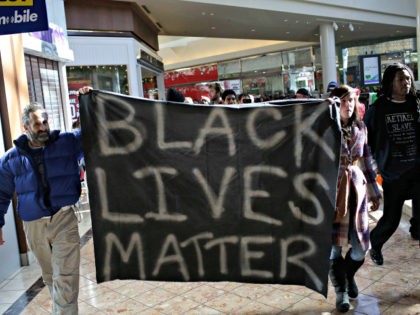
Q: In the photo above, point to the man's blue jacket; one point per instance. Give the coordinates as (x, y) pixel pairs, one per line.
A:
(17, 173)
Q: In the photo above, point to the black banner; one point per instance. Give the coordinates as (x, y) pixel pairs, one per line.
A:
(182, 192)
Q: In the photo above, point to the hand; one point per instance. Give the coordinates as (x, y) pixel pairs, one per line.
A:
(85, 89)
(375, 205)
(1, 237)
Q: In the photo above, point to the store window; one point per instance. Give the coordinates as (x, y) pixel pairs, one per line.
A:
(150, 88)
(44, 88)
(108, 78)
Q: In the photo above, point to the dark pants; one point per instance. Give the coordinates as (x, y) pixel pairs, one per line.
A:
(395, 193)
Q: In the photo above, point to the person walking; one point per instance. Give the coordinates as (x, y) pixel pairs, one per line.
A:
(43, 169)
(393, 123)
(356, 186)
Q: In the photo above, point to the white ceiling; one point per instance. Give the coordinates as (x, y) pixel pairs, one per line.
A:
(192, 31)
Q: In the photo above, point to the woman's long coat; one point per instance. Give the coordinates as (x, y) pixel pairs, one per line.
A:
(356, 161)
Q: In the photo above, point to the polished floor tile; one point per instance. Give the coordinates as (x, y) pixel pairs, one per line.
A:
(393, 288)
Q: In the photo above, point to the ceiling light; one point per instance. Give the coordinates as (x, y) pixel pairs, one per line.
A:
(335, 26)
(351, 27)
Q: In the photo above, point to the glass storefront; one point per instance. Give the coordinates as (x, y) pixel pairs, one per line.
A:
(349, 60)
(273, 75)
(44, 88)
(280, 74)
(269, 76)
(108, 78)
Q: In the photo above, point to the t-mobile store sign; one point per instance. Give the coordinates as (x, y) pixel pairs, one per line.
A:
(21, 16)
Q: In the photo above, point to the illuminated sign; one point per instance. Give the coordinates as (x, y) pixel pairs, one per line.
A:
(371, 69)
(21, 16)
(16, 3)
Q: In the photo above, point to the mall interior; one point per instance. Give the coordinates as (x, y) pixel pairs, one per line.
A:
(140, 48)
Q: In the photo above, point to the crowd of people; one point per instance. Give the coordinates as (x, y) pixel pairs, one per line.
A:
(218, 95)
(42, 169)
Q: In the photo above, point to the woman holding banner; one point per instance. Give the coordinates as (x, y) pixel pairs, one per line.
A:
(356, 186)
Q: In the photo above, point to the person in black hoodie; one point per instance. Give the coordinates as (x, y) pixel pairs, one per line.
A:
(393, 134)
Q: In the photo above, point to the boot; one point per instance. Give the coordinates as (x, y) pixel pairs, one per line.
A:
(414, 230)
(338, 279)
(351, 268)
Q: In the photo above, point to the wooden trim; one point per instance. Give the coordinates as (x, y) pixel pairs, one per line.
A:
(111, 16)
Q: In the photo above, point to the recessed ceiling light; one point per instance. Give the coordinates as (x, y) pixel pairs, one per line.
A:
(203, 13)
(213, 27)
(285, 20)
(252, 29)
(212, 14)
(287, 32)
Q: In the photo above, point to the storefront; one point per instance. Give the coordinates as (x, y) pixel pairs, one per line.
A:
(384, 53)
(32, 70)
(46, 54)
(116, 64)
(115, 49)
(272, 75)
(192, 82)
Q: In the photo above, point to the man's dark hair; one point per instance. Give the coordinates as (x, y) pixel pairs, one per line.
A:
(228, 92)
(304, 92)
(174, 96)
(387, 83)
(28, 110)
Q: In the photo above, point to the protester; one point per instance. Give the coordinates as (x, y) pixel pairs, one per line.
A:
(173, 95)
(303, 93)
(229, 97)
(215, 91)
(356, 185)
(394, 127)
(43, 170)
(244, 98)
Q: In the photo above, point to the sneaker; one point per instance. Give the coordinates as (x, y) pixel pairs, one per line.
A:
(376, 256)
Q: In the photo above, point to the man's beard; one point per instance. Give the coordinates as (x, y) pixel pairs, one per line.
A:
(40, 137)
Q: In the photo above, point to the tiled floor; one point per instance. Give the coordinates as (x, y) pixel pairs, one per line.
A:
(393, 288)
